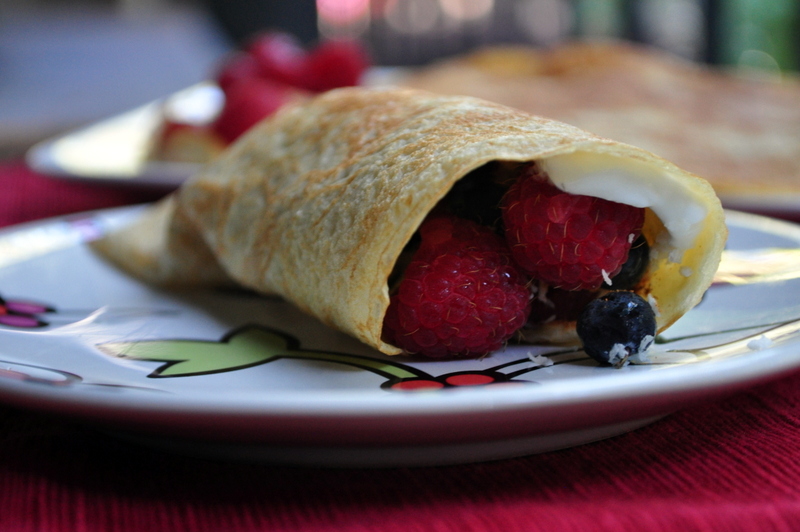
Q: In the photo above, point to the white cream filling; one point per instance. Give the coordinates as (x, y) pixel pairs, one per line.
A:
(633, 183)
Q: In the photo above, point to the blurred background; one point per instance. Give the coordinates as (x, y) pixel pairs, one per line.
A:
(66, 63)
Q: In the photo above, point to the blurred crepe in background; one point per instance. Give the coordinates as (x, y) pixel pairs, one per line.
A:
(740, 133)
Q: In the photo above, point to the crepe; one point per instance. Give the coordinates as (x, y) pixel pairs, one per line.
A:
(317, 203)
(741, 134)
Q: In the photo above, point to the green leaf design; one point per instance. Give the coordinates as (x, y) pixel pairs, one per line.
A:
(242, 348)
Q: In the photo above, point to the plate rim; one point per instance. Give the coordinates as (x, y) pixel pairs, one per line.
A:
(703, 379)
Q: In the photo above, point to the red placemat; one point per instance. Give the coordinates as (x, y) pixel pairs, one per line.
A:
(730, 465)
(26, 195)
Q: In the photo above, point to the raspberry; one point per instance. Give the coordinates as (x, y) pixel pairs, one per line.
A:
(461, 294)
(335, 64)
(257, 81)
(569, 241)
(280, 56)
(236, 67)
(247, 102)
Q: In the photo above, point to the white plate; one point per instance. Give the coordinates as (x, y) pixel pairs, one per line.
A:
(264, 381)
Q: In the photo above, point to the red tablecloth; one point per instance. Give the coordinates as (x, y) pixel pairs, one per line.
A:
(730, 465)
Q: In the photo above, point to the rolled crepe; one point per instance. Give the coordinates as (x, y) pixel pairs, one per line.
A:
(317, 203)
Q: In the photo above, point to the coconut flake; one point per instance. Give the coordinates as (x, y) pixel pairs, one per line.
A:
(606, 277)
(641, 357)
(540, 361)
(760, 343)
(631, 238)
(618, 356)
(646, 342)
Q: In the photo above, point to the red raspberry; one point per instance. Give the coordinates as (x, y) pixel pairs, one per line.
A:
(280, 56)
(461, 294)
(248, 101)
(335, 64)
(569, 241)
(237, 67)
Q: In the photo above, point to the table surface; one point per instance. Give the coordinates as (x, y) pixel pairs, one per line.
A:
(732, 464)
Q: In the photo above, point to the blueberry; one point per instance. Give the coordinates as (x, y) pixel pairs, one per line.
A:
(634, 267)
(616, 326)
